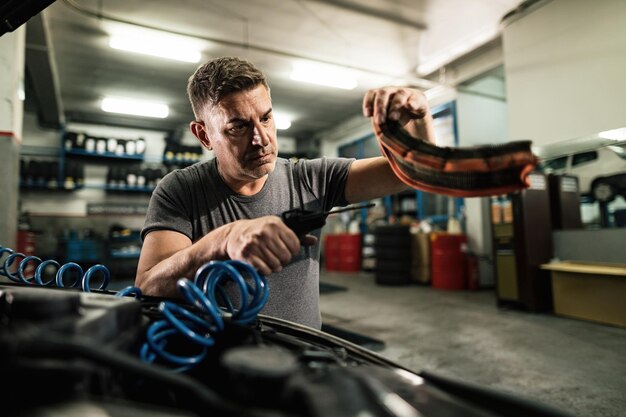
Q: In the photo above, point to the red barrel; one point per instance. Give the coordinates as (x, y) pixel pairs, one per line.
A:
(447, 262)
(331, 252)
(349, 252)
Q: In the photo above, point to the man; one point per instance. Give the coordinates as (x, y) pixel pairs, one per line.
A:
(228, 207)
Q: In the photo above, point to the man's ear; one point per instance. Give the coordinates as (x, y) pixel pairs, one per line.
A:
(198, 129)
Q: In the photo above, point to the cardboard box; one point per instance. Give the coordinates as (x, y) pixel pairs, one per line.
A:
(589, 291)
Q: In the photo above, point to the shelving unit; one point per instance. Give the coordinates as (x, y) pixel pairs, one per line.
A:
(181, 155)
(57, 187)
(125, 246)
(75, 216)
(103, 155)
(124, 189)
(123, 250)
(105, 187)
(67, 173)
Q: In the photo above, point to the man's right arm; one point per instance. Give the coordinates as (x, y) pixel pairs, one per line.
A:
(165, 257)
(265, 243)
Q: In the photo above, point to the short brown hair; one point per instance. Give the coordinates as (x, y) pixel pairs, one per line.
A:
(219, 77)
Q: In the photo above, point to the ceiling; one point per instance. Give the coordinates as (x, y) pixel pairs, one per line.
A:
(383, 41)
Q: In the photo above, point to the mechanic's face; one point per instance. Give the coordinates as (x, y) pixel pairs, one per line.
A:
(242, 133)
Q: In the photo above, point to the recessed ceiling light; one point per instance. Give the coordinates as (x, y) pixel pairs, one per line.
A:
(327, 75)
(135, 107)
(158, 46)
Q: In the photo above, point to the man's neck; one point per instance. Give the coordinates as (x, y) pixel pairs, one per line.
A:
(248, 188)
(243, 187)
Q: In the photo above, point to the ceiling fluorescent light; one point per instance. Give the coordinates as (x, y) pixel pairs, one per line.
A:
(282, 121)
(327, 75)
(435, 92)
(156, 46)
(135, 107)
(440, 94)
(615, 134)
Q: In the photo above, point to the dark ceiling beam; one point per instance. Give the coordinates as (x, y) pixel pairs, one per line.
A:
(14, 13)
(42, 72)
(374, 12)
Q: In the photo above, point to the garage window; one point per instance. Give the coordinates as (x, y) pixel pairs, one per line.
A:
(581, 158)
(556, 164)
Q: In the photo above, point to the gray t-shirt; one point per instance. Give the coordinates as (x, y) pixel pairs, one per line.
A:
(195, 200)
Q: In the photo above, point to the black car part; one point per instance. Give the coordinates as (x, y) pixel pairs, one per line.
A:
(77, 351)
(96, 351)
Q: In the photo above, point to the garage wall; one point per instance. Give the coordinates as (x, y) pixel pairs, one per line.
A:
(354, 128)
(481, 119)
(565, 64)
(11, 108)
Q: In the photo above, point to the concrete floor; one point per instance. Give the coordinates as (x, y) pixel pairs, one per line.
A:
(574, 365)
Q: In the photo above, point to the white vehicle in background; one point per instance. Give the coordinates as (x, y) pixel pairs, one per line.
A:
(601, 172)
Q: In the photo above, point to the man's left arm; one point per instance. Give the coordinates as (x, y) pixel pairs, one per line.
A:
(372, 177)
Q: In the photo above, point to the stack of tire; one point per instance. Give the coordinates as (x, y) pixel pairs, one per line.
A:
(393, 254)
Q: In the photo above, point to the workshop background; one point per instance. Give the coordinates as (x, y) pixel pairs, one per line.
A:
(523, 292)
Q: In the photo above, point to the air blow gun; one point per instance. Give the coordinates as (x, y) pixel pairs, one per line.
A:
(305, 221)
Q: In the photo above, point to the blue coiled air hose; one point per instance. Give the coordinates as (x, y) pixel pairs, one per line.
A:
(253, 293)
(130, 290)
(199, 327)
(82, 280)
